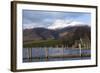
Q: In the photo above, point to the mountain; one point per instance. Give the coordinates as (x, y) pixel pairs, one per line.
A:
(67, 33)
(39, 34)
(76, 32)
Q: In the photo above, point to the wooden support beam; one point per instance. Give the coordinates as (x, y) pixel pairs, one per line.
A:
(46, 53)
(29, 54)
(80, 49)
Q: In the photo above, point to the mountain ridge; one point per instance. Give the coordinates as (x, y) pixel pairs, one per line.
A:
(45, 34)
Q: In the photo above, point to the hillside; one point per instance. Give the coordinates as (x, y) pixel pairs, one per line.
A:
(68, 36)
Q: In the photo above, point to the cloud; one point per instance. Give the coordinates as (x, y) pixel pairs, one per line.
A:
(28, 26)
(58, 24)
(32, 25)
(65, 23)
(53, 19)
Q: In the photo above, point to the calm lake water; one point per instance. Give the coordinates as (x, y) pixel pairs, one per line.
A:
(55, 54)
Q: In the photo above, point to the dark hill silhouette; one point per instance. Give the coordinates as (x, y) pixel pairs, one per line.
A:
(76, 32)
(71, 32)
(39, 34)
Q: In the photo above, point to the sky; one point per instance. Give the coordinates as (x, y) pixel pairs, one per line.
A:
(53, 19)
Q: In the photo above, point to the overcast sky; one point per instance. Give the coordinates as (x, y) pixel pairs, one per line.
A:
(53, 20)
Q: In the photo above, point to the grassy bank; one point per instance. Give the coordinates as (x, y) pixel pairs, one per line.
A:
(42, 43)
(47, 43)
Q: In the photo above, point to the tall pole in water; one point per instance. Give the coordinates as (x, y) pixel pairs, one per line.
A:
(80, 46)
(30, 54)
(46, 53)
(80, 49)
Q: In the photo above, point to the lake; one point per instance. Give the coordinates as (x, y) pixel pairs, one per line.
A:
(55, 54)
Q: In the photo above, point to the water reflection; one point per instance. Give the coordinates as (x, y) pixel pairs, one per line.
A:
(54, 54)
